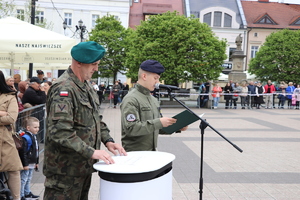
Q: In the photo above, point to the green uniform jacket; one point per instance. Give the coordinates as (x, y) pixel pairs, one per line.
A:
(140, 118)
(73, 127)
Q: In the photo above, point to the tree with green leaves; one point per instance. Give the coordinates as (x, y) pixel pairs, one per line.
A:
(6, 8)
(278, 59)
(112, 36)
(187, 48)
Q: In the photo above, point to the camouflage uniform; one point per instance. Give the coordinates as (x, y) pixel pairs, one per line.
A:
(73, 134)
(140, 118)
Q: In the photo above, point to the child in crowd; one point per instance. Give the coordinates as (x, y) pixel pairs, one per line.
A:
(282, 98)
(29, 155)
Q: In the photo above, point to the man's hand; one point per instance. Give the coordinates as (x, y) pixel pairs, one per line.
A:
(167, 121)
(184, 128)
(103, 155)
(113, 147)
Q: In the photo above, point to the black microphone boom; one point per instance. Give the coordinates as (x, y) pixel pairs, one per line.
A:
(169, 87)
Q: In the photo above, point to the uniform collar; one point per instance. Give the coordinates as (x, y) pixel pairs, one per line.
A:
(142, 89)
(76, 80)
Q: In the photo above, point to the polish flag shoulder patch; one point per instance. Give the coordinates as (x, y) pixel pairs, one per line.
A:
(64, 93)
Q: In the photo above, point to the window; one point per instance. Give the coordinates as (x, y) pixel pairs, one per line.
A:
(207, 18)
(231, 50)
(94, 19)
(255, 34)
(227, 20)
(265, 20)
(296, 22)
(68, 19)
(39, 17)
(217, 18)
(254, 50)
(20, 14)
(116, 17)
(135, 1)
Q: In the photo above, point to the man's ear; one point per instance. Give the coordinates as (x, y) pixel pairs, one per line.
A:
(144, 76)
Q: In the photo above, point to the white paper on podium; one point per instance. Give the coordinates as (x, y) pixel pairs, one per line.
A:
(136, 162)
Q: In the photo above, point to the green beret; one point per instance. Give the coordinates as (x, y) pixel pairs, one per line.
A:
(152, 66)
(87, 52)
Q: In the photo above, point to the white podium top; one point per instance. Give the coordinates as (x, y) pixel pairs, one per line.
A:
(136, 162)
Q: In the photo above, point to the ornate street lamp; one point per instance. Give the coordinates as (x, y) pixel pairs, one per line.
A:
(81, 29)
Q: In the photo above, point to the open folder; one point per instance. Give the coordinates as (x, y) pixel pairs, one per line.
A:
(183, 119)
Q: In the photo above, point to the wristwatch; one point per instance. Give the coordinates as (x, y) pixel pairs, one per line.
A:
(109, 140)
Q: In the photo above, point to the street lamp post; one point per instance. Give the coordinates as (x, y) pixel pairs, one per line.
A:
(80, 29)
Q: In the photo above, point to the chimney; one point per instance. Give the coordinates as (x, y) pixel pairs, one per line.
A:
(263, 0)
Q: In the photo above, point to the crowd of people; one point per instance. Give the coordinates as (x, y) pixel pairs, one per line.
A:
(253, 95)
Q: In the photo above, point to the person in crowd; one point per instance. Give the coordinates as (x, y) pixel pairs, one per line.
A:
(207, 86)
(244, 96)
(23, 86)
(297, 96)
(53, 80)
(227, 90)
(47, 86)
(281, 99)
(40, 75)
(125, 89)
(237, 89)
(9, 161)
(259, 99)
(74, 128)
(95, 86)
(203, 98)
(17, 80)
(35, 94)
(29, 155)
(216, 93)
(141, 119)
(10, 82)
(269, 90)
(115, 90)
(290, 90)
(120, 83)
(101, 92)
(251, 91)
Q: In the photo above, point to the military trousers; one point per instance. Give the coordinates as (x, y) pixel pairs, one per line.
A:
(60, 187)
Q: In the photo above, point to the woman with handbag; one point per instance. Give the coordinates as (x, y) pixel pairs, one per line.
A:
(9, 158)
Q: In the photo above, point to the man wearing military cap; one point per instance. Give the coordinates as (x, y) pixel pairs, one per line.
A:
(140, 113)
(74, 128)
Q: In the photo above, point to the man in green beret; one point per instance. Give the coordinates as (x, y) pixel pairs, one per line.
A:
(74, 128)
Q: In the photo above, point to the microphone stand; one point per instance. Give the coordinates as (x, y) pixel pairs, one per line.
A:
(202, 126)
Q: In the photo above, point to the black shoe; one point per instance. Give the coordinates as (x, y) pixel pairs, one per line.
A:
(23, 198)
(30, 195)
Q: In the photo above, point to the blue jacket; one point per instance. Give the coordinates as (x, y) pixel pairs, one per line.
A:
(29, 154)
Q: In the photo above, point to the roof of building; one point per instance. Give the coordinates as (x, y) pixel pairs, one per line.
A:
(197, 5)
(271, 15)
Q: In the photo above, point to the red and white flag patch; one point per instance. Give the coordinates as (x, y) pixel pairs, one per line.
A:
(64, 93)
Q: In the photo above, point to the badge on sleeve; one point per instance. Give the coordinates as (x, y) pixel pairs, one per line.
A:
(131, 117)
(64, 93)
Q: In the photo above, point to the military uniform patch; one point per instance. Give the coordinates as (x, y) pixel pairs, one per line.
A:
(64, 93)
(131, 117)
(61, 108)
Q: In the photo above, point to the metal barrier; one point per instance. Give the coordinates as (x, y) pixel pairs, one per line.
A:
(35, 111)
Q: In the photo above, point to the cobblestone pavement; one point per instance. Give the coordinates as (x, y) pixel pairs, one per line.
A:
(268, 168)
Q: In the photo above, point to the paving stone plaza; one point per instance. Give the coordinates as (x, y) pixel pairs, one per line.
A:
(268, 168)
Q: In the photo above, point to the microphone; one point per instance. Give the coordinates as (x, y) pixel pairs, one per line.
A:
(169, 87)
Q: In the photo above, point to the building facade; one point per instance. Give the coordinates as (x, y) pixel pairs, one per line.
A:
(263, 18)
(140, 10)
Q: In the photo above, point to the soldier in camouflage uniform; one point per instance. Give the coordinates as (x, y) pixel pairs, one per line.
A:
(74, 128)
(140, 112)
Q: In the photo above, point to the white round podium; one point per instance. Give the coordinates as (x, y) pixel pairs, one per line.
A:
(140, 175)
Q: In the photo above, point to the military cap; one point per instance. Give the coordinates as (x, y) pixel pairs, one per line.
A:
(35, 79)
(87, 52)
(152, 66)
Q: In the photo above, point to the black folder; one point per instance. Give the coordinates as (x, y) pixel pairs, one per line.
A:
(183, 119)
